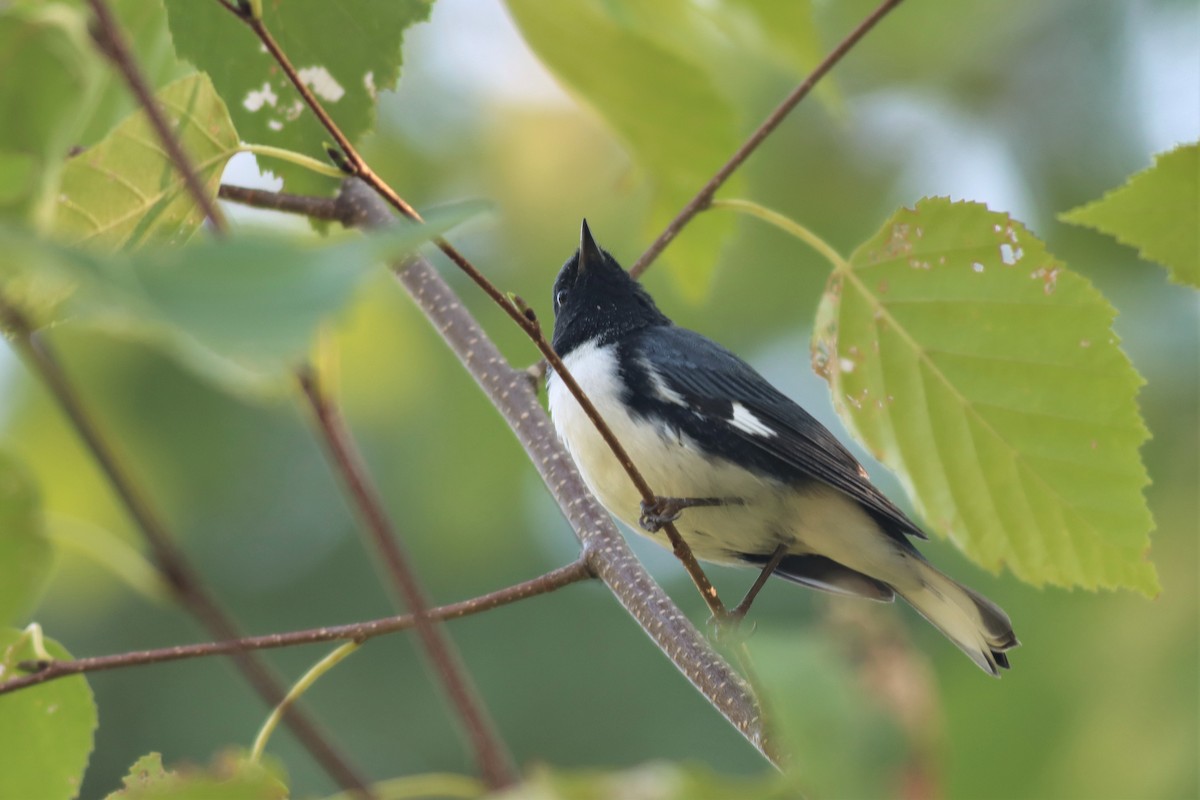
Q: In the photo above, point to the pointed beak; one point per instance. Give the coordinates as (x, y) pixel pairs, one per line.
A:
(589, 251)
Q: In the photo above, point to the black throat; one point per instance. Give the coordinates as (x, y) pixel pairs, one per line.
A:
(595, 300)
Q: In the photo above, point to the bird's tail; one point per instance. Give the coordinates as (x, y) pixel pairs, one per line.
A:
(978, 626)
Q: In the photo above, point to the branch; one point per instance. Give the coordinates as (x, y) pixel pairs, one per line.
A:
(353, 163)
(358, 632)
(495, 762)
(111, 43)
(604, 549)
(705, 195)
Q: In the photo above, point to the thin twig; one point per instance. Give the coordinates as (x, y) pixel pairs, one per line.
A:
(355, 165)
(705, 195)
(184, 581)
(495, 762)
(357, 632)
(111, 42)
(323, 208)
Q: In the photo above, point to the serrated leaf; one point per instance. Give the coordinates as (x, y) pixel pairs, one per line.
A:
(46, 74)
(987, 375)
(231, 777)
(653, 781)
(678, 127)
(126, 191)
(25, 554)
(1157, 211)
(345, 51)
(46, 731)
(242, 311)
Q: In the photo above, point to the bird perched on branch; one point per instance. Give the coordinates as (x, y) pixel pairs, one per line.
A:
(744, 472)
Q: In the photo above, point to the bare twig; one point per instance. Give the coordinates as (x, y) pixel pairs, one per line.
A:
(705, 195)
(185, 583)
(353, 163)
(111, 42)
(495, 762)
(357, 632)
(323, 208)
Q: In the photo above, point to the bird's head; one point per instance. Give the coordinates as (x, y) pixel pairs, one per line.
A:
(596, 300)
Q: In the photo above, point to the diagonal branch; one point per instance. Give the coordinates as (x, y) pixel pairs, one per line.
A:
(495, 762)
(353, 163)
(705, 195)
(42, 672)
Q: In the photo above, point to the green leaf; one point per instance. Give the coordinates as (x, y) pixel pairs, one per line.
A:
(46, 731)
(841, 741)
(46, 73)
(678, 127)
(345, 51)
(25, 554)
(126, 191)
(241, 311)
(231, 777)
(653, 781)
(1156, 211)
(987, 375)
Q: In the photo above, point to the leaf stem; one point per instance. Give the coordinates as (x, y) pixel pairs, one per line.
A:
(787, 225)
(308, 162)
(300, 687)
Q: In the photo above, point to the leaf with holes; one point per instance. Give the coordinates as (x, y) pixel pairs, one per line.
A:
(125, 191)
(344, 51)
(46, 731)
(1157, 211)
(987, 375)
(231, 777)
(668, 110)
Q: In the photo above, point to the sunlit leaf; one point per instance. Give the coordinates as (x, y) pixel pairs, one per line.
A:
(987, 375)
(345, 51)
(125, 191)
(25, 553)
(678, 127)
(1157, 211)
(47, 71)
(653, 781)
(46, 731)
(242, 311)
(229, 778)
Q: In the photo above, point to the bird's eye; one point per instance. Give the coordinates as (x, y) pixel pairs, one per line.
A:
(560, 298)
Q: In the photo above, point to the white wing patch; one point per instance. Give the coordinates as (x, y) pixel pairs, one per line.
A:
(744, 420)
(661, 389)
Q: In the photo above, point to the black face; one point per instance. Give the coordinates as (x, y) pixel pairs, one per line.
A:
(594, 298)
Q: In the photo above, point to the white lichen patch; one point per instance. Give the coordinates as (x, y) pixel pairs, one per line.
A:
(257, 98)
(322, 83)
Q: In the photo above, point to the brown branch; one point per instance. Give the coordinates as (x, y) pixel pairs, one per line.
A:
(495, 762)
(42, 672)
(111, 43)
(353, 163)
(323, 208)
(705, 195)
(184, 581)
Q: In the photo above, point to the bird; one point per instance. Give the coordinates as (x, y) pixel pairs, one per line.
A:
(743, 471)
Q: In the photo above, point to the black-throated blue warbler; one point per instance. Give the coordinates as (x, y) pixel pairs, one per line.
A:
(702, 425)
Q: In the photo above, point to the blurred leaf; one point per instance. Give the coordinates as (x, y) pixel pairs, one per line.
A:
(144, 24)
(841, 743)
(46, 731)
(47, 70)
(1156, 211)
(678, 127)
(988, 377)
(241, 311)
(230, 778)
(344, 51)
(125, 191)
(25, 553)
(654, 781)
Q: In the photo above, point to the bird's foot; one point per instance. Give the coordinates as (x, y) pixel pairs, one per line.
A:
(668, 509)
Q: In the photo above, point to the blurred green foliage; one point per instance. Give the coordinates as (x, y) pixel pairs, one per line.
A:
(1022, 104)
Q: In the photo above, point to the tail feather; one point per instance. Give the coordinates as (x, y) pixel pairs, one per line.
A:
(979, 627)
